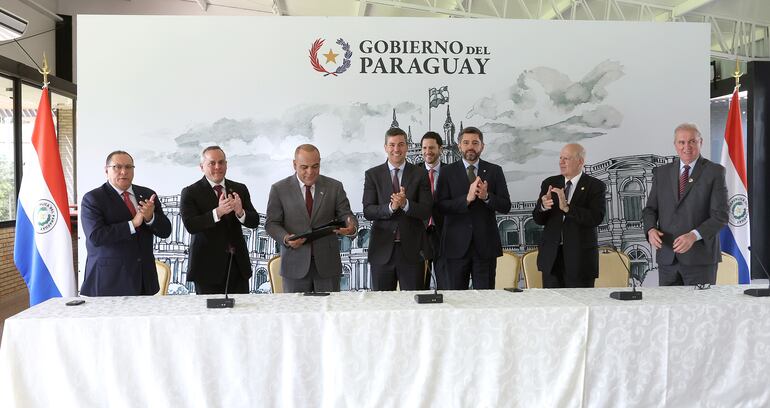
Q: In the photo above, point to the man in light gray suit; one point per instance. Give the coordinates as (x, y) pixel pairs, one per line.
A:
(299, 203)
(686, 209)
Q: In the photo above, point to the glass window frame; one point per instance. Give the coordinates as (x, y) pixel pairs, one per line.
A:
(20, 75)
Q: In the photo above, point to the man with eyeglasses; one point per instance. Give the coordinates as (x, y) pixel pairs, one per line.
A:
(686, 209)
(119, 221)
(470, 192)
(214, 211)
(571, 207)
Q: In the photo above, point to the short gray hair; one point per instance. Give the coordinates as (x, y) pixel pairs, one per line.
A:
(687, 126)
(210, 148)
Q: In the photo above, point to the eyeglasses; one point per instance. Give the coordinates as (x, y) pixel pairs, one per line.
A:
(120, 167)
(702, 286)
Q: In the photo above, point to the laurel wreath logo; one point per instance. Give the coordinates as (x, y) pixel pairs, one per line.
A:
(317, 44)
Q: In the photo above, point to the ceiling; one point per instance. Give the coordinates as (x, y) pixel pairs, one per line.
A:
(735, 23)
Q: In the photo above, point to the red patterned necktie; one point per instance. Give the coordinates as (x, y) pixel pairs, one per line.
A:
(218, 190)
(683, 178)
(129, 204)
(308, 201)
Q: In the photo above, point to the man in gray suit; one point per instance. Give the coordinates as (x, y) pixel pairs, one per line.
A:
(299, 203)
(686, 209)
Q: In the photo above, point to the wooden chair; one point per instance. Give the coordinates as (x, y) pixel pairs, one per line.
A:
(508, 269)
(164, 277)
(613, 269)
(274, 272)
(727, 270)
(533, 278)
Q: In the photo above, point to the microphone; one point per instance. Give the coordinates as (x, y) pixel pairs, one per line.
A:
(625, 295)
(434, 297)
(758, 292)
(226, 302)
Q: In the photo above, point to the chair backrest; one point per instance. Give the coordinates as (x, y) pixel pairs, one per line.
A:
(508, 268)
(613, 269)
(274, 272)
(532, 276)
(727, 270)
(164, 276)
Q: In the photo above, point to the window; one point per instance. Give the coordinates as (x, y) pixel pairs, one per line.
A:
(63, 122)
(345, 244)
(533, 233)
(7, 176)
(509, 233)
(632, 196)
(363, 238)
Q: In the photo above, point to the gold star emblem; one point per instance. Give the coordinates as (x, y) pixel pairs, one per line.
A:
(331, 57)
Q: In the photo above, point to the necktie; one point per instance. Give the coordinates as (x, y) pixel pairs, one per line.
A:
(308, 201)
(567, 189)
(471, 174)
(396, 189)
(218, 190)
(431, 176)
(683, 180)
(129, 204)
(396, 184)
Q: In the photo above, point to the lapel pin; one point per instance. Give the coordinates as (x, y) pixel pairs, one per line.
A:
(690, 181)
(582, 188)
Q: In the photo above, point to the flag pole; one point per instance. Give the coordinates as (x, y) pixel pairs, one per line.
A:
(429, 109)
(737, 74)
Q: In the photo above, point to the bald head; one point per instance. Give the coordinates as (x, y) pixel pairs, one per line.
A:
(571, 160)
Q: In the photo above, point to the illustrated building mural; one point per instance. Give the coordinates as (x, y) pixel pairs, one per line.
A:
(628, 181)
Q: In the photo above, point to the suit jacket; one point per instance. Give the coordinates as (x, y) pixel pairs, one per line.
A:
(287, 214)
(577, 227)
(209, 242)
(378, 186)
(476, 222)
(438, 218)
(703, 207)
(119, 263)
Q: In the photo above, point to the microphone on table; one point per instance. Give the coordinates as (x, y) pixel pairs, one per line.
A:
(624, 294)
(434, 297)
(758, 292)
(226, 302)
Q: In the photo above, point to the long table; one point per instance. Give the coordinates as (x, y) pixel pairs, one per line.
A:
(558, 348)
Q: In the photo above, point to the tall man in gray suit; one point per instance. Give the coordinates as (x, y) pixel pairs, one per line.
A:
(299, 203)
(397, 199)
(686, 209)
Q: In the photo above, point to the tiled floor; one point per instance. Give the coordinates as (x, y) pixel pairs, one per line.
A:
(12, 304)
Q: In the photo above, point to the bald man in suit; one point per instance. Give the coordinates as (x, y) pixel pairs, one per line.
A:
(299, 203)
(686, 209)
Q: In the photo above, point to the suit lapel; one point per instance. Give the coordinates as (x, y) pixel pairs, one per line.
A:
(579, 189)
(387, 178)
(674, 180)
(208, 193)
(320, 195)
(299, 195)
(117, 199)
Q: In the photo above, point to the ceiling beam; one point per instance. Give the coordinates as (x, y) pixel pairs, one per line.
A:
(688, 6)
(557, 9)
(362, 4)
(204, 4)
(42, 10)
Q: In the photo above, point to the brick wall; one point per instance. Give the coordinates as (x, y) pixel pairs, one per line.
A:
(10, 279)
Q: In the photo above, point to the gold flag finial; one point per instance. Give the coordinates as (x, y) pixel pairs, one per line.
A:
(45, 71)
(737, 74)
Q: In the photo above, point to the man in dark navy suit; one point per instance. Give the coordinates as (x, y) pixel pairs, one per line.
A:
(431, 146)
(119, 221)
(213, 210)
(470, 192)
(397, 200)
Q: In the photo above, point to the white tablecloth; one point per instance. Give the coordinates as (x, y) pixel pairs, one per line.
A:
(566, 348)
